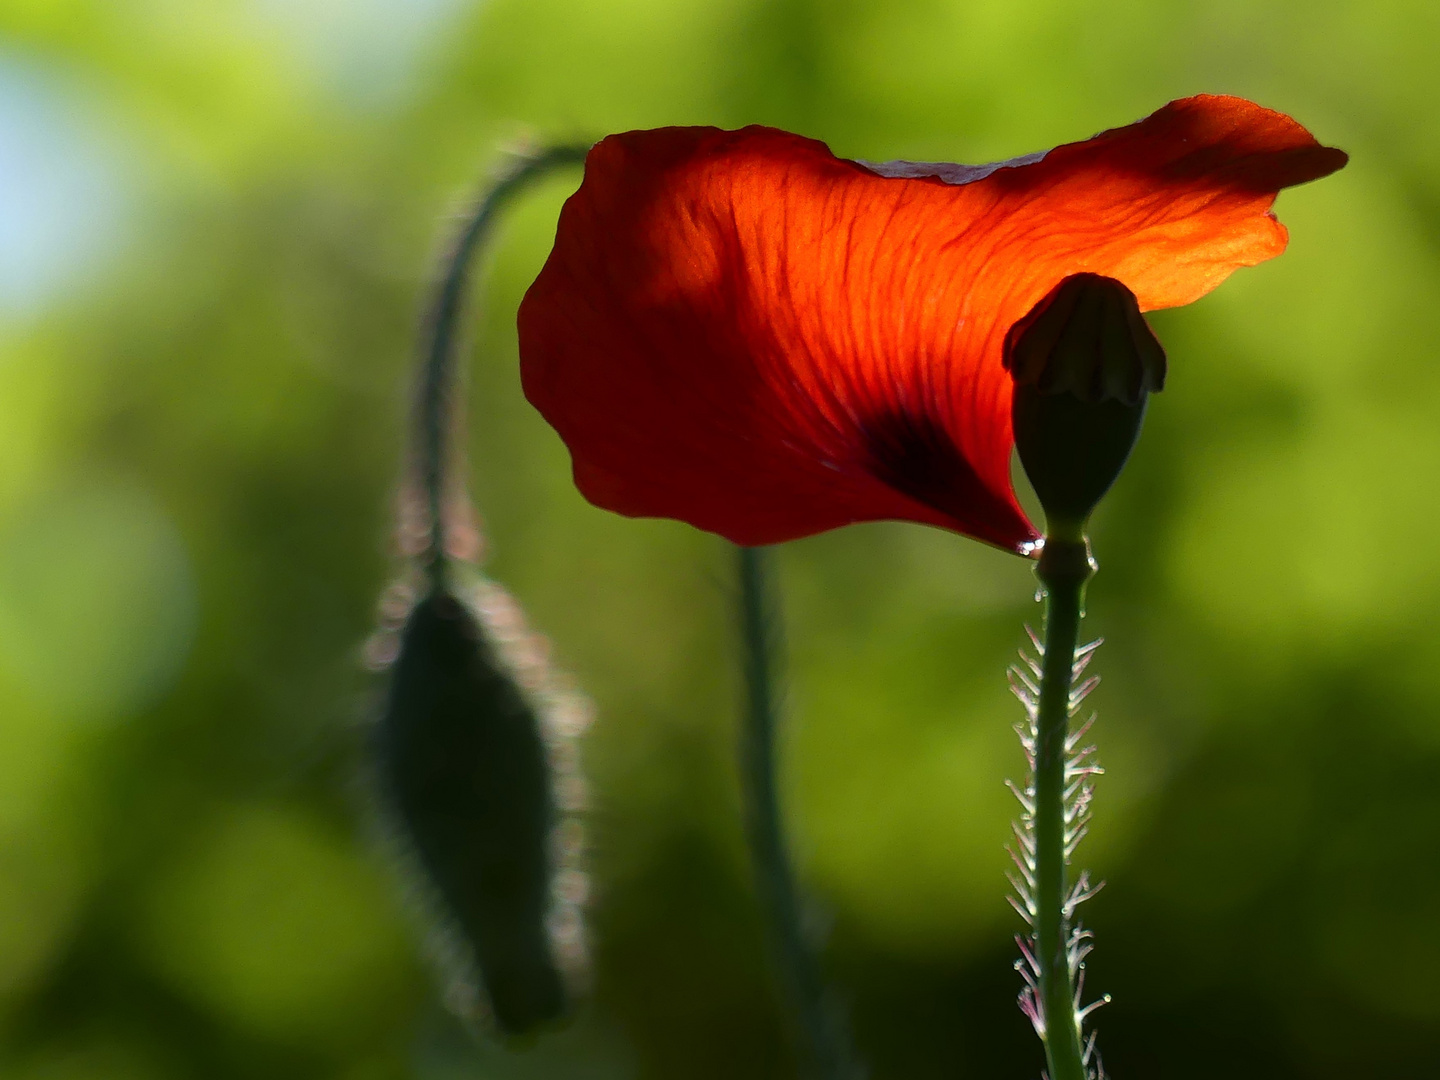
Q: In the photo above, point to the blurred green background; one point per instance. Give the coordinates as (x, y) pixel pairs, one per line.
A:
(218, 220)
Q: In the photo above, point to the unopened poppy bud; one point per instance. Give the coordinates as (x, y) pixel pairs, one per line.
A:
(1084, 361)
(463, 762)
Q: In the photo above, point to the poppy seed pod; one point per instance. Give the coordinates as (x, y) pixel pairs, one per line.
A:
(1084, 362)
(463, 762)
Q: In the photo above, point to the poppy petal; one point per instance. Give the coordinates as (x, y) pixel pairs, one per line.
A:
(742, 331)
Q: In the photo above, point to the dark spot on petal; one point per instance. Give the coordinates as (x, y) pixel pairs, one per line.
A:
(917, 457)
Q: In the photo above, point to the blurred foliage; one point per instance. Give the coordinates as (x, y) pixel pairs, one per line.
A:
(218, 221)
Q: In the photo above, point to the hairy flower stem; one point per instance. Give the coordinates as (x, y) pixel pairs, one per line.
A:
(435, 407)
(1063, 570)
(827, 1044)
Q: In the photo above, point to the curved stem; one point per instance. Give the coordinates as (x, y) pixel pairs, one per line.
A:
(435, 414)
(827, 1043)
(1064, 567)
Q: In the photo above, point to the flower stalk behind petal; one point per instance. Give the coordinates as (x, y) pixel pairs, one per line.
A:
(827, 1043)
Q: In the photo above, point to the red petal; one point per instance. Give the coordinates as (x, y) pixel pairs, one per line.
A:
(742, 331)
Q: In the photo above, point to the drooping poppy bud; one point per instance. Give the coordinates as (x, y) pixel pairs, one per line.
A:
(466, 765)
(1084, 362)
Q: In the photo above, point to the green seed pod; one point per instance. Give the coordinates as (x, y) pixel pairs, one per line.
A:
(463, 760)
(1084, 363)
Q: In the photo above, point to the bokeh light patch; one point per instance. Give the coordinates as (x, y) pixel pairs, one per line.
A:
(271, 923)
(97, 600)
(62, 204)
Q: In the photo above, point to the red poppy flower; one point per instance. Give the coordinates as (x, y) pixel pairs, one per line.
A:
(740, 330)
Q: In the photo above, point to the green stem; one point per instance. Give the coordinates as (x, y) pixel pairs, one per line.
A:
(1063, 570)
(435, 411)
(826, 1041)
